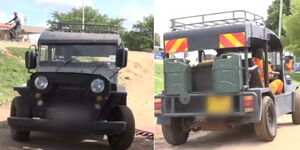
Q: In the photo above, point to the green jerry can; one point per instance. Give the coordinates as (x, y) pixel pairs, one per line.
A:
(177, 76)
(228, 74)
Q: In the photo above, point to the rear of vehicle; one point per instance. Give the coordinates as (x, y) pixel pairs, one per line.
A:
(218, 94)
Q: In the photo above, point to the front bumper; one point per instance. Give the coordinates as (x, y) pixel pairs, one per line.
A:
(78, 127)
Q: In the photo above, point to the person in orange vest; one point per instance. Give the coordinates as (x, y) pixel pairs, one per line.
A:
(276, 84)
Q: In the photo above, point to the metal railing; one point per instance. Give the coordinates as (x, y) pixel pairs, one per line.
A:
(215, 19)
(85, 28)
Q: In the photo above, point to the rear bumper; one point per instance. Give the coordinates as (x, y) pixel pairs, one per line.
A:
(86, 127)
(194, 105)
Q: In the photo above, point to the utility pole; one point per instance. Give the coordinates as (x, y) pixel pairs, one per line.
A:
(280, 18)
(82, 14)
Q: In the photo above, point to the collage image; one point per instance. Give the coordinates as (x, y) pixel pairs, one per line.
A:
(149, 75)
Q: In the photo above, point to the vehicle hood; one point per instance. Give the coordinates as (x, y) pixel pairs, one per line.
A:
(106, 72)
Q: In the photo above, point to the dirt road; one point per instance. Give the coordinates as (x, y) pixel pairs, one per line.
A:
(242, 138)
(43, 141)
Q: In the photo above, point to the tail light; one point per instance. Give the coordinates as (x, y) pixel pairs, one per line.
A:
(248, 103)
(157, 106)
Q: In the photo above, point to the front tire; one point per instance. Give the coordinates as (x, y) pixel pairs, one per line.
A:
(266, 129)
(296, 113)
(125, 139)
(19, 109)
(174, 134)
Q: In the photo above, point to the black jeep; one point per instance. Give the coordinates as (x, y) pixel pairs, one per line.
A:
(74, 87)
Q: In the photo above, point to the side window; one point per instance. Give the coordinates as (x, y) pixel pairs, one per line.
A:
(210, 55)
(43, 53)
(274, 58)
(278, 59)
(51, 53)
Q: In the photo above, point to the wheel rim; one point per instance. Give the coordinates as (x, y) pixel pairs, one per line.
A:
(271, 120)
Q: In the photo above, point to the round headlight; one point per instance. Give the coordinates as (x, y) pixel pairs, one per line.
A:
(97, 85)
(41, 82)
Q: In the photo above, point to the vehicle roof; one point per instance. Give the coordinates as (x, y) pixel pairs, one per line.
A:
(209, 38)
(57, 37)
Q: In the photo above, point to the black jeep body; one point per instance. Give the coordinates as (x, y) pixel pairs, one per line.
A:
(74, 89)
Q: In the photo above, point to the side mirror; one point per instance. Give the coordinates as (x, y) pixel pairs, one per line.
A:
(121, 58)
(30, 60)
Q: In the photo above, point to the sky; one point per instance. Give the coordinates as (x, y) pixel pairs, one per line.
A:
(164, 10)
(38, 12)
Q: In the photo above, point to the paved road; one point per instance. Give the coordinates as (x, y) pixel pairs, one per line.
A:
(241, 138)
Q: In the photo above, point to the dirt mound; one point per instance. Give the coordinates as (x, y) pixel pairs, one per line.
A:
(138, 79)
(5, 44)
(14, 44)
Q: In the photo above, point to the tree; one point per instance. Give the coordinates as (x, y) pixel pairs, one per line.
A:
(92, 16)
(273, 15)
(156, 39)
(141, 36)
(291, 26)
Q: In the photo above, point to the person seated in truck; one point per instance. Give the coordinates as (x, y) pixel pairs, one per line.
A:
(289, 65)
(275, 84)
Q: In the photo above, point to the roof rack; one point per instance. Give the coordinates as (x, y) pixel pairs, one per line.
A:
(85, 28)
(216, 19)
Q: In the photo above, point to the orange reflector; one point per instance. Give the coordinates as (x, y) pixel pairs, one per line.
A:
(248, 98)
(232, 40)
(176, 45)
(248, 103)
(157, 105)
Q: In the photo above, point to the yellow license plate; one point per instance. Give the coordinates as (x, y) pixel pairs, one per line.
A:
(219, 104)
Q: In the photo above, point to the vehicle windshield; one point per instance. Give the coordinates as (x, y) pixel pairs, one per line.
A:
(78, 55)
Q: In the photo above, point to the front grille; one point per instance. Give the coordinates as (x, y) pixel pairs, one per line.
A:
(69, 95)
(71, 87)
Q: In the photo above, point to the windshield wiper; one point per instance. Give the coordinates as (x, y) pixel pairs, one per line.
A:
(66, 62)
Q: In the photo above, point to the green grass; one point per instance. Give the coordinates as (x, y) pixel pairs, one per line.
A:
(20, 52)
(158, 76)
(295, 77)
(12, 73)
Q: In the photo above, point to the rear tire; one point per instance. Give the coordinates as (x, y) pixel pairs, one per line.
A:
(125, 139)
(296, 113)
(266, 129)
(19, 109)
(174, 134)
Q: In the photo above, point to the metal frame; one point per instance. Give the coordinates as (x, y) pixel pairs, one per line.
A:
(77, 27)
(204, 21)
